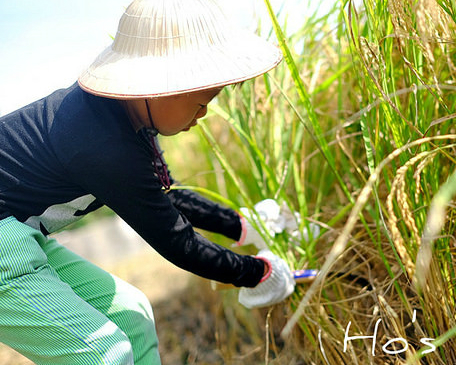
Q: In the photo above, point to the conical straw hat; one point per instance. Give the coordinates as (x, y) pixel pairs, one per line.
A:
(168, 47)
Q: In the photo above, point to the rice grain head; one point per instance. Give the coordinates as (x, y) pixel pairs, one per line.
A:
(398, 191)
(417, 175)
(427, 24)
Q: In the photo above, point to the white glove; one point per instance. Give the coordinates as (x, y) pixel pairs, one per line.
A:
(269, 212)
(276, 285)
(292, 222)
(276, 219)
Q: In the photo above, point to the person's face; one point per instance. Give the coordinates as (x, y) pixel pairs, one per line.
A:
(177, 113)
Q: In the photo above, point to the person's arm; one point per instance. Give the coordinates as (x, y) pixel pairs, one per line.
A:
(136, 196)
(113, 166)
(204, 213)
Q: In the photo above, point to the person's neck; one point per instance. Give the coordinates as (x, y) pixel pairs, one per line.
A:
(137, 113)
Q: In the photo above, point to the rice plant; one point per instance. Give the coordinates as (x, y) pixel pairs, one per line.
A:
(355, 131)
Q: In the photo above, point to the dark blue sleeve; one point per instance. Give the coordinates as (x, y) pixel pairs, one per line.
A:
(205, 214)
(105, 157)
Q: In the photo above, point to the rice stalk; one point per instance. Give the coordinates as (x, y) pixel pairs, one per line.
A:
(344, 132)
(341, 242)
(314, 127)
(435, 220)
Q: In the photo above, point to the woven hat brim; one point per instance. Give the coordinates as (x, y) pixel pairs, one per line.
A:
(115, 75)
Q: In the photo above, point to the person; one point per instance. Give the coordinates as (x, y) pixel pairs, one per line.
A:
(94, 144)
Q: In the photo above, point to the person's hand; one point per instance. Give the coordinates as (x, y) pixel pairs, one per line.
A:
(292, 223)
(269, 212)
(275, 286)
(275, 219)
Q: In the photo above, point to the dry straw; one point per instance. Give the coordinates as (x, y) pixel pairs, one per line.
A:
(167, 47)
(342, 240)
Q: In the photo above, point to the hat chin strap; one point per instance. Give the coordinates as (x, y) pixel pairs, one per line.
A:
(159, 164)
(151, 122)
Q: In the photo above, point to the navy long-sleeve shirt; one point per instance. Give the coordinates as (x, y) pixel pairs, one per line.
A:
(72, 152)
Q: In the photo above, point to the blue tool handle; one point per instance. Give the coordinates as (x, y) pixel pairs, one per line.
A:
(304, 276)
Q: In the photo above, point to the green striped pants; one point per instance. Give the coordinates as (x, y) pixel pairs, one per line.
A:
(58, 308)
